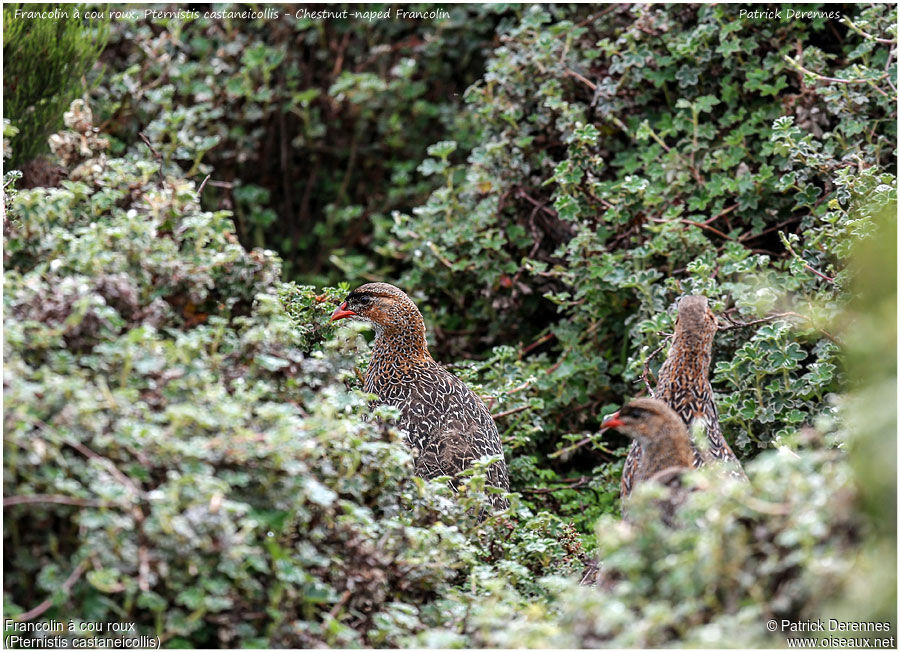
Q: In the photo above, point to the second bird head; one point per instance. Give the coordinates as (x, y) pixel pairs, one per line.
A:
(383, 305)
(644, 419)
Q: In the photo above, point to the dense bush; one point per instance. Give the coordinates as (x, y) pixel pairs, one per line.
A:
(45, 61)
(185, 447)
(168, 423)
(632, 154)
(314, 126)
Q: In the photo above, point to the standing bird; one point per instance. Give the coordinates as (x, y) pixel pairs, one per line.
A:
(446, 423)
(684, 386)
(666, 447)
(665, 443)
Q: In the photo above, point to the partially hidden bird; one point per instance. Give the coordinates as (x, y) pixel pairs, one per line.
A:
(447, 425)
(664, 440)
(684, 386)
(666, 447)
(666, 453)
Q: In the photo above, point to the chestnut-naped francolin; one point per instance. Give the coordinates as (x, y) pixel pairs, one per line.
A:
(666, 449)
(684, 386)
(662, 435)
(447, 425)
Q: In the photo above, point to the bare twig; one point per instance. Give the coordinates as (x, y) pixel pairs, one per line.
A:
(46, 604)
(582, 79)
(500, 415)
(438, 255)
(514, 390)
(703, 225)
(835, 80)
(340, 603)
(856, 29)
(158, 156)
(143, 569)
(53, 498)
(645, 374)
(106, 462)
(577, 445)
(765, 507)
(721, 213)
(572, 483)
(534, 202)
(732, 324)
(203, 184)
(818, 273)
(599, 14)
(541, 340)
(123, 479)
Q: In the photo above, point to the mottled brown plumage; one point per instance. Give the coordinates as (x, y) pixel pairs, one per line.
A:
(684, 386)
(664, 440)
(666, 448)
(447, 425)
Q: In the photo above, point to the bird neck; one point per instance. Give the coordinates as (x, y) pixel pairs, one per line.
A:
(668, 448)
(692, 352)
(403, 345)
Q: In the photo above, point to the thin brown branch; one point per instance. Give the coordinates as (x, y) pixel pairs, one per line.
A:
(438, 255)
(57, 499)
(156, 154)
(579, 444)
(732, 324)
(143, 569)
(818, 273)
(701, 225)
(541, 340)
(599, 14)
(500, 415)
(749, 235)
(341, 602)
(46, 604)
(856, 29)
(582, 79)
(123, 479)
(645, 374)
(203, 185)
(514, 390)
(721, 213)
(573, 483)
(534, 202)
(835, 80)
(106, 462)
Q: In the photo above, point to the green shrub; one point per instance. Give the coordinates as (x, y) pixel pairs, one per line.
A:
(45, 60)
(185, 445)
(179, 442)
(632, 154)
(315, 126)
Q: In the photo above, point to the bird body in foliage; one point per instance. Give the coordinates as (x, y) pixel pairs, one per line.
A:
(684, 386)
(447, 424)
(666, 447)
(664, 440)
(666, 453)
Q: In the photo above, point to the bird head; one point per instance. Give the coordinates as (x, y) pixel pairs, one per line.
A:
(695, 317)
(644, 419)
(384, 306)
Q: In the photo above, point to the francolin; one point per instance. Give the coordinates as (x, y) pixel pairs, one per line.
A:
(447, 425)
(684, 386)
(666, 448)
